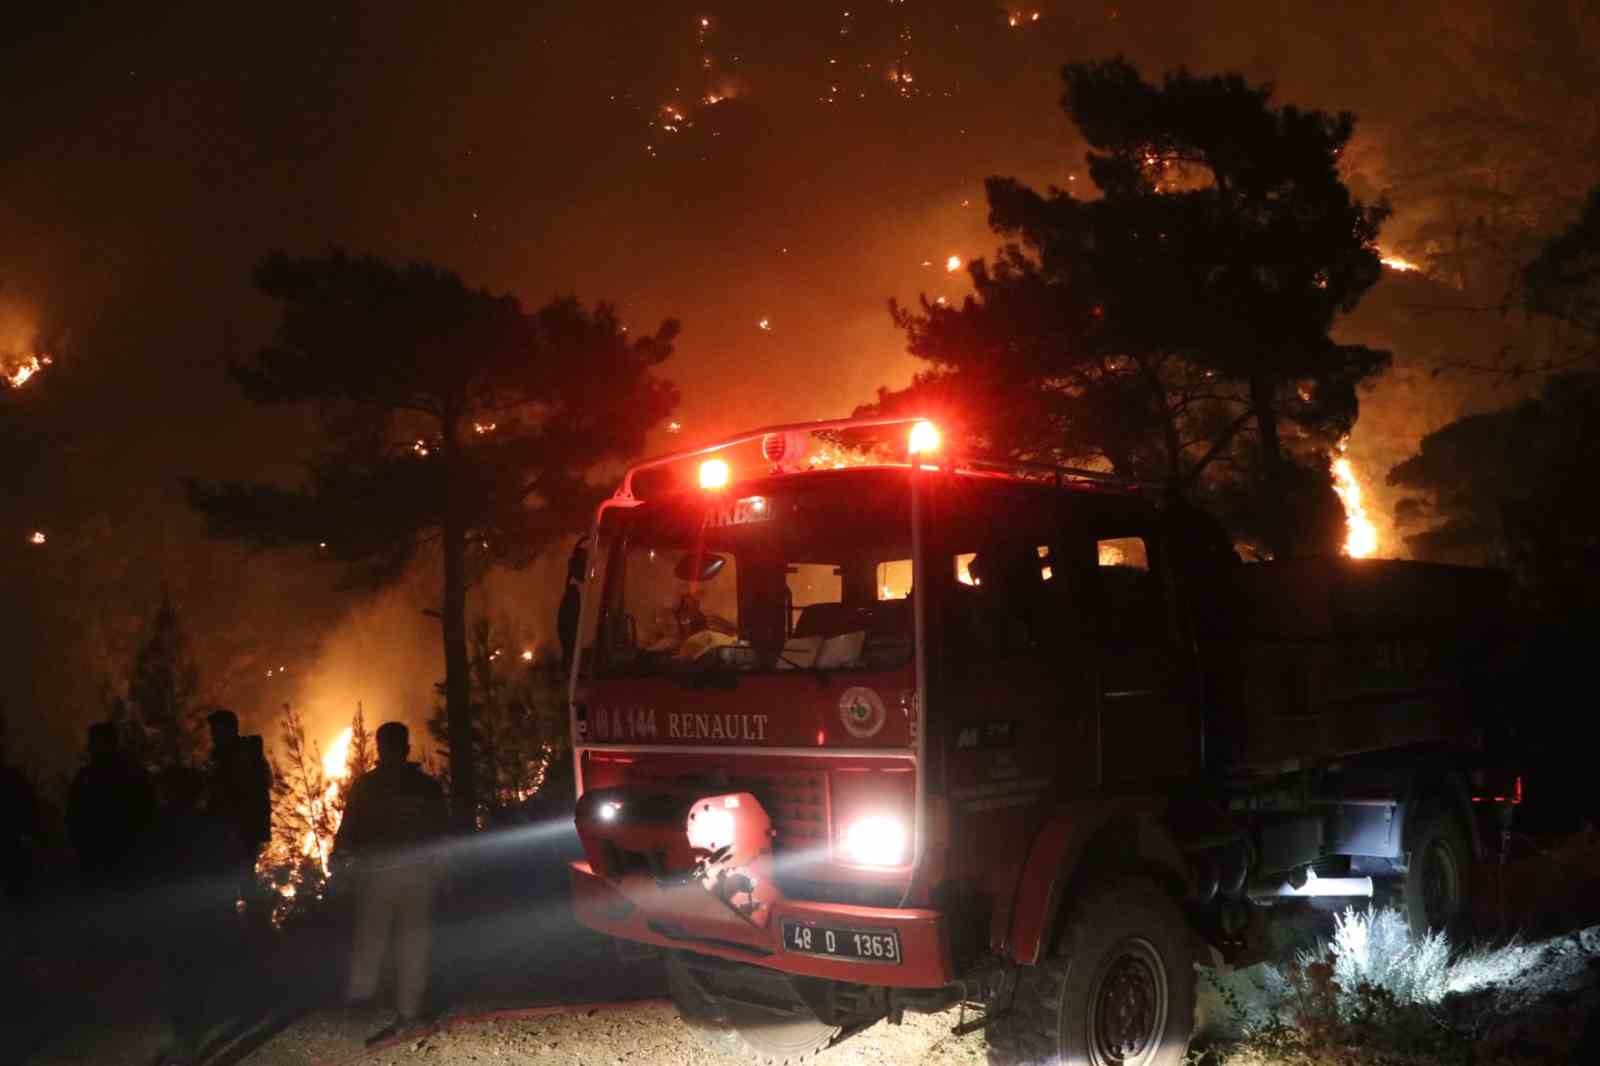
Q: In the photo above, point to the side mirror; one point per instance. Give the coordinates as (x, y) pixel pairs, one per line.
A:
(699, 567)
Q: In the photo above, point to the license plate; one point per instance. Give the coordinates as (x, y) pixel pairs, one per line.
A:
(841, 943)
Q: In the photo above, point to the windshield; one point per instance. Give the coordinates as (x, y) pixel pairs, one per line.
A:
(785, 576)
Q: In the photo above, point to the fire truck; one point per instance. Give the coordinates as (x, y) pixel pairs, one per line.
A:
(853, 739)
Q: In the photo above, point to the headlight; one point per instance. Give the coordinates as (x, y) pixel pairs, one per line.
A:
(710, 827)
(609, 810)
(875, 840)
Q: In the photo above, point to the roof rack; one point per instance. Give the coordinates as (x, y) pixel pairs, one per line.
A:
(1059, 474)
(625, 490)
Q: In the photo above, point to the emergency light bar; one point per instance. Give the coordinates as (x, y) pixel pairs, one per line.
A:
(714, 474)
(924, 438)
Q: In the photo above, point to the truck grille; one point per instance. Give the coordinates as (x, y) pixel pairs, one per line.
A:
(798, 806)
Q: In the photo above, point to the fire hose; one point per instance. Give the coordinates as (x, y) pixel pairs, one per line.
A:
(507, 1014)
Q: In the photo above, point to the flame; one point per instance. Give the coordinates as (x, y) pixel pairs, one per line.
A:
(1361, 536)
(335, 770)
(1395, 262)
(336, 763)
(25, 369)
(952, 264)
(37, 537)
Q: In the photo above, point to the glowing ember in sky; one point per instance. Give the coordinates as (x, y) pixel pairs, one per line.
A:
(952, 264)
(480, 428)
(1361, 536)
(674, 426)
(766, 324)
(36, 537)
(527, 655)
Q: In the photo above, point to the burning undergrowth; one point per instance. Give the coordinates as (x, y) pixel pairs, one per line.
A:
(309, 791)
(1374, 994)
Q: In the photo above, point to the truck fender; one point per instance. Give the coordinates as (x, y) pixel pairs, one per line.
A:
(1127, 831)
(1447, 784)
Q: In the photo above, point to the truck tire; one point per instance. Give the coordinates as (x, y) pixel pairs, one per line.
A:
(1436, 892)
(744, 1032)
(1117, 990)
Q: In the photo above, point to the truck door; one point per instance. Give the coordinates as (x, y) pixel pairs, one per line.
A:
(1146, 721)
(1013, 693)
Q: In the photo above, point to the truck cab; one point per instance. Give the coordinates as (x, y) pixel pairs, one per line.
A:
(853, 738)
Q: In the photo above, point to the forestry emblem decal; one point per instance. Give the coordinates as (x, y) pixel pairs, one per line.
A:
(862, 712)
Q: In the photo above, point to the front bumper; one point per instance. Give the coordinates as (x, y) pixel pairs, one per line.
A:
(674, 918)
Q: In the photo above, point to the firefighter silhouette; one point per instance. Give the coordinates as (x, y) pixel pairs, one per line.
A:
(394, 813)
(109, 808)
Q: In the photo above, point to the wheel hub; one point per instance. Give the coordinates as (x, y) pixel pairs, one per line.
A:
(1439, 891)
(1128, 1004)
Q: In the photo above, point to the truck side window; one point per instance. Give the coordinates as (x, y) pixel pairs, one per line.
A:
(1129, 592)
(999, 599)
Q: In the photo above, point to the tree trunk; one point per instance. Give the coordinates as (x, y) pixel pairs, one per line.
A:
(457, 679)
(1276, 523)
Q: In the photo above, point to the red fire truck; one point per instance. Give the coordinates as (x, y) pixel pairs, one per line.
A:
(853, 739)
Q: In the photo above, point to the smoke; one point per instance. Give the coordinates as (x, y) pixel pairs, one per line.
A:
(387, 654)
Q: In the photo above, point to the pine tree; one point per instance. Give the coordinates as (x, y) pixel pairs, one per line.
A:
(362, 753)
(453, 420)
(162, 690)
(305, 817)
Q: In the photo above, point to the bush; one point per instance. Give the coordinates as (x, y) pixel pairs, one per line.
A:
(1374, 995)
(1374, 950)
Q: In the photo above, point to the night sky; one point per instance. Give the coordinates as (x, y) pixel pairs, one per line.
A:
(793, 164)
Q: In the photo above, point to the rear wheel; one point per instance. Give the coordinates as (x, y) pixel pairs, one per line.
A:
(1118, 990)
(1436, 892)
(775, 1032)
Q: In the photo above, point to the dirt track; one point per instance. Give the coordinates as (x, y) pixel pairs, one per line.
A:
(643, 1034)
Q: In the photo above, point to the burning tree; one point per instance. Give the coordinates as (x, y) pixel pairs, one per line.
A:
(309, 789)
(452, 420)
(1177, 327)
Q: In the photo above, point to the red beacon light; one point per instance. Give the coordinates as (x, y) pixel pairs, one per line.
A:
(924, 439)
(714, 474)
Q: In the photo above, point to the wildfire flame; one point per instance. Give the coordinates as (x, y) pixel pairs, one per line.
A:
(25, 370)
(336, 763)
(1395, 262)
(1361, 536)
(335, 770)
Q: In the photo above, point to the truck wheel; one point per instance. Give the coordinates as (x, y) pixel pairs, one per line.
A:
(1436, 892)
(745, 1032)
(1118, 990)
